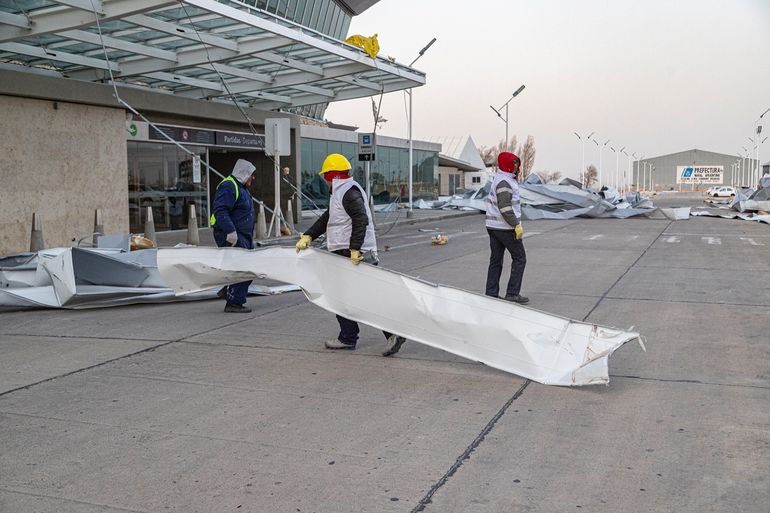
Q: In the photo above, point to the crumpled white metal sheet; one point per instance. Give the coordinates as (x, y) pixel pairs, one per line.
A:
(536, 345)
(75, 278)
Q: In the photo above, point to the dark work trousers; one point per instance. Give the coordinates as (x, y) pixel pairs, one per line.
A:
(499, 241)
(236, 293)
(349, 329)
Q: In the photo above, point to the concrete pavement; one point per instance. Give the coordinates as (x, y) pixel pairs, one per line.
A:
(182, 408)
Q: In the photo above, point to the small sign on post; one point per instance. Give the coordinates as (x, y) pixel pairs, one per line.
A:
(366, 145)
(277, 137)
(277, 143)
(196, 169)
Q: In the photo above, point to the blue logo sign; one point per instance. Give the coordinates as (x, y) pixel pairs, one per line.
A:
(367, 139)
(687, 172)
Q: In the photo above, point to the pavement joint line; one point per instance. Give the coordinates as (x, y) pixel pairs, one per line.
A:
(145, 350)
(428, 498)
(626, 271)
(77, 501)
(685, 302)
(463, 256)
(85, 337)
(185, 435)
(688, 381)
(328, 352)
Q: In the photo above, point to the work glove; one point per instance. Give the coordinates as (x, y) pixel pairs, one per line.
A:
(519, 231)
(232, 238)
(355, 256)
(303, 242)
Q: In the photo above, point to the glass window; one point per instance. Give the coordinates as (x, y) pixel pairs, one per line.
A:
(308, 12)
(299, 11)
(317, 6)
(327, 19)
(160, 176)
(345, 27)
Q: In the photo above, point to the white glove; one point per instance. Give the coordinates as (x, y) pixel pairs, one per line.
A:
(232, 238)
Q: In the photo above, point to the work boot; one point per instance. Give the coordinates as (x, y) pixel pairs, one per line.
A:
(517, 299)
(394, 345)
(336, 344)
(231, 308)
(222, 293)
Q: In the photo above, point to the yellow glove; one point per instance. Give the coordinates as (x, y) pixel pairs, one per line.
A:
(355, 256)
(303, 242)
(519, 231)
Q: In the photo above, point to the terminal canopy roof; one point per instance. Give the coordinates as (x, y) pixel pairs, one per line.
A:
(221, 50)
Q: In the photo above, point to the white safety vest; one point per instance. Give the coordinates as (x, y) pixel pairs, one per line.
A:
(495, 219)
(340, 225)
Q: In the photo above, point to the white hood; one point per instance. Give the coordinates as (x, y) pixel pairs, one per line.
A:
(243, 170)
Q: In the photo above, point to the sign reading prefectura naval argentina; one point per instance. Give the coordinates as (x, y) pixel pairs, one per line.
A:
(700, 174)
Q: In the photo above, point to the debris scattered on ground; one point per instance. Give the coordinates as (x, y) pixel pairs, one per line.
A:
(536, 345)
(439, 239)
(91, 278)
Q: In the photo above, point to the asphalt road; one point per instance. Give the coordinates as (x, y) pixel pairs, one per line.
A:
(183, 408)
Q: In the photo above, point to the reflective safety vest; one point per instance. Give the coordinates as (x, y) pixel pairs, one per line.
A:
(340, 225)
(230, 178)
(495, 218)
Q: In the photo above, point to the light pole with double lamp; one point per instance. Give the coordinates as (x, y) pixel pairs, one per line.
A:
(410, 212)
(757, 132)
(497, 111)
(583, 161)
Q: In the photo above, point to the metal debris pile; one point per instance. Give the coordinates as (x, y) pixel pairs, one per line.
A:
(76, 278)
(748, 205)
(565, 200)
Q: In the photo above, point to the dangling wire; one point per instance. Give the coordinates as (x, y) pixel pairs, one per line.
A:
(150, 123)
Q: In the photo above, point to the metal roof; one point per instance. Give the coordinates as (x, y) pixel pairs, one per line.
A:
(213, 49)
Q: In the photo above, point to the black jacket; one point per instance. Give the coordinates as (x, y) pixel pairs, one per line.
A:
(355, 206)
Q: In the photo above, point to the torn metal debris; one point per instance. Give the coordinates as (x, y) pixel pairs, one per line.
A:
(76, 278)
(536, 345)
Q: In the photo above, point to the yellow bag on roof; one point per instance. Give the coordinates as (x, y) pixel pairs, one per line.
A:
(368, 44)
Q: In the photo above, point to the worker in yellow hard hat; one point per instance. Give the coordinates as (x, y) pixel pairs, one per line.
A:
(349, 232)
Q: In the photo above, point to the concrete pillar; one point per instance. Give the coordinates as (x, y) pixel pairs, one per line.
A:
(192, 228)
(36, 242)
(98, 225)
(149, 227)
(261, 229)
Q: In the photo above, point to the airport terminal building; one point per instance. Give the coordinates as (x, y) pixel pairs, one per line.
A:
(147, 107)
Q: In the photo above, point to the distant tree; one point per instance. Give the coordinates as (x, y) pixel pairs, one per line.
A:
(590, 176)
(527, 155)
(547, 177)
(489, 155)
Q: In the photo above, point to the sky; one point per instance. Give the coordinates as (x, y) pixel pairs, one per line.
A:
(655, 76)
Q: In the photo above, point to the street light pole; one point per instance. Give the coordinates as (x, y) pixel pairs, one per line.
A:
(410, 212)
(497, 111)
(758, 131)
(583, 161)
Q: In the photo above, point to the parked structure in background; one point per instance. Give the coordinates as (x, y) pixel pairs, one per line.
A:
(460, 167)
(207, 73)
(691, 170)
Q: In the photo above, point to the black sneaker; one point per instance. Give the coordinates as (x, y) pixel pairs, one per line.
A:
(394, 345)
(222, 293)
(231, 308)
(517, 299)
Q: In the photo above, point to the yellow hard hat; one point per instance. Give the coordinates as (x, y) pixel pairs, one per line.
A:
(335, 162)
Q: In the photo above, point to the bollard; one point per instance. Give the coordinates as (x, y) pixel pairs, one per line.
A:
(192, 228)
(149, 227)
(36, 242)
(289, 217)
(98, 225)
(261, 223)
